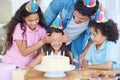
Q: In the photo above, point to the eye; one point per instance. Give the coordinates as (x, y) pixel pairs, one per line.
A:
(37, 19)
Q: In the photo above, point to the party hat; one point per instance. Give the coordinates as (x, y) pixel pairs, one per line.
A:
(32, 6)
(57, 22)
(99, 16)
(89, 3)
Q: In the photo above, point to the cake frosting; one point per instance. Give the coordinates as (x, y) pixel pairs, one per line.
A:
(55, 63)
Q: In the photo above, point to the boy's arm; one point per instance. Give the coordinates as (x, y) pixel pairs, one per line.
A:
(106, 65)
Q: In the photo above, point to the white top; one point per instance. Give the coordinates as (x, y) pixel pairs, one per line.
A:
(73, 30)
(52, 54)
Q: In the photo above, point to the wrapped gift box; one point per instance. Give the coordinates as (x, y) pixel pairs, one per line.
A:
(6, 71)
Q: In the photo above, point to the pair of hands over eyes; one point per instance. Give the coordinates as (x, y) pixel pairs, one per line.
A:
(49, 39)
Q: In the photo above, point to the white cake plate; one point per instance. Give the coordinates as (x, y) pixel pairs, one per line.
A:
(54, 74)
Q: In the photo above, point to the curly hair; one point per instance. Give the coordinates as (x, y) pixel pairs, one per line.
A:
(108, 29)
(86, 11)
(19, 16)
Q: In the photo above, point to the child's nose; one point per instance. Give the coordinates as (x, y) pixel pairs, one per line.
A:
(57, 40)
(34, 22)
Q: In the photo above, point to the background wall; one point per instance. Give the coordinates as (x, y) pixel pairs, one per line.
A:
(5, 10)
(9, 7)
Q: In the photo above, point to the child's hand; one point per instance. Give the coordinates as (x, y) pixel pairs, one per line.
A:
(85, 64)
(65, 38)
(27, 69)
(47, 38)
(80, 60)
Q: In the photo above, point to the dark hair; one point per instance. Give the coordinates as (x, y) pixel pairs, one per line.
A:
(84, 10)
(19, 16)
(108, 29)
(48, 47)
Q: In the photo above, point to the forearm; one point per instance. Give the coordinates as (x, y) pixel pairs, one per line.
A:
(84, 64)
(106, 65)
(37, 54)
(26, 50)
(36, 61)
(71, 57)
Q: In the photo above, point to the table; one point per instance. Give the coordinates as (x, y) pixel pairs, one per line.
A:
(71, 75)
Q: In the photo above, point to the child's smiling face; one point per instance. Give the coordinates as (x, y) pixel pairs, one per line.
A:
(97, 37)
(32, 20)
(56, 43)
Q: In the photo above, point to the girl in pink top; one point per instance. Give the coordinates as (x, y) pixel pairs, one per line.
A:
(25, 35)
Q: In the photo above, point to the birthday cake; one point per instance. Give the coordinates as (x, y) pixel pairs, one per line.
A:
(55, 63)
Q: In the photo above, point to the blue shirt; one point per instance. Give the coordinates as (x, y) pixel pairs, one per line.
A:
(106, 52)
